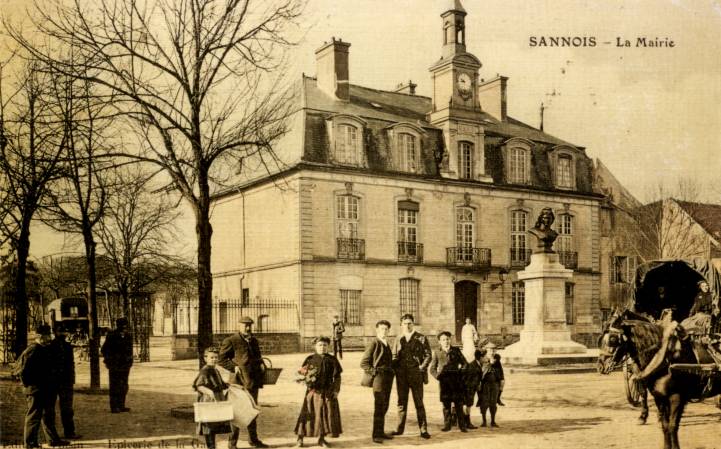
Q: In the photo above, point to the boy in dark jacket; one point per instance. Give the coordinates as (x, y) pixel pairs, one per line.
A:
(447, 366)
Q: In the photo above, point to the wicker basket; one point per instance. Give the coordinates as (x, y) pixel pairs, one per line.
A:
(271, 374)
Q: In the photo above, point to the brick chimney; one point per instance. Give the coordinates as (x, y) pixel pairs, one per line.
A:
(407, 88)
(332, 66)
(492, 96)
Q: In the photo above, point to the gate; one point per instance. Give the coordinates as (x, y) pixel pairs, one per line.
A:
(7, 327)
(141, 322)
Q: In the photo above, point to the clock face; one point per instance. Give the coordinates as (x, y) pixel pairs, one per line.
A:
(464, 85)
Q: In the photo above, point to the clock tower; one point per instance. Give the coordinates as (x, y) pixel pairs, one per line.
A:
(456, 107)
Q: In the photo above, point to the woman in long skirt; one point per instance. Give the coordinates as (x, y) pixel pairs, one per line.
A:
(320, 415)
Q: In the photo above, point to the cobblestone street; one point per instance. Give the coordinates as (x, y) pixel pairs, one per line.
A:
(542, 411)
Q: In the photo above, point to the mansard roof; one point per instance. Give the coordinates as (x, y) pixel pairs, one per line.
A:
(401, 107)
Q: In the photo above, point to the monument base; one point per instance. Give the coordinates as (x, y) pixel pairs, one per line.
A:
(545, 338)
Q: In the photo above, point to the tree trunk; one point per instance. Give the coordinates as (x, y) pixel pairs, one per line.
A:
(93, 337)
(204, 232)
(21, 294)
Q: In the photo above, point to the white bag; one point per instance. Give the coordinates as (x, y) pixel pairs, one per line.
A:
(245, 410)
(209, 412)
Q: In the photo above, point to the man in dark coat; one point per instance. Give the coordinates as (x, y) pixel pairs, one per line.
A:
(118, 357)
(35, 368)
(377, 362)
(411, 357)
(65, 380)
(240, 354)
(337, 336)
(448, 365)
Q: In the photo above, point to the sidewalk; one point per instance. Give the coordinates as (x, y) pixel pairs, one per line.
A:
(551, 411)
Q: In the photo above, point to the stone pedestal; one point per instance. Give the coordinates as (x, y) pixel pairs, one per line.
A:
(545, 338)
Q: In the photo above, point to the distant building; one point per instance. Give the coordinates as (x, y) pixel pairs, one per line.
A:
(392, 203)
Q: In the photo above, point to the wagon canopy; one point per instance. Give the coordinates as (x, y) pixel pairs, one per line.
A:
(679, 278)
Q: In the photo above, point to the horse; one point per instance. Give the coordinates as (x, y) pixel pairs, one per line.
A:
(632, 335)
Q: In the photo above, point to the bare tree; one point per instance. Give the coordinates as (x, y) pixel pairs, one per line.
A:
(135, 231)
(31, 145)
(196, 76)
(666, 225)
(79, 197)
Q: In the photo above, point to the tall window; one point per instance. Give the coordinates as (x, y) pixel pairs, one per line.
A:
(409, 296)
(465, 232)
(347, 145)
(517, 166)
(222, 316)
(518, 236)
(465, 160)
(245, 298)
(350, 306)
(563, 171)
(565, 233)
(518, 302)
(407, 230)
(347, 212)
(569, 303)
(623, 269)
(408, 152)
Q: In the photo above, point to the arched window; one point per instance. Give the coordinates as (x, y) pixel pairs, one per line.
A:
(518, 165)
(408, 152)
(565, 232)
(465, 232)
(347, 145)
(519, 248)
(347, 213)
(518, 303)
(564, 173)
(465, 160)
(408, 248)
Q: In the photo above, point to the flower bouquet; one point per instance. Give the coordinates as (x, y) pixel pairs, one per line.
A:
(307, 375)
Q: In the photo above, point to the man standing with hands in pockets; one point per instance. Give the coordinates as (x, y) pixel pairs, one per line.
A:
(411, 357)
(240, 354)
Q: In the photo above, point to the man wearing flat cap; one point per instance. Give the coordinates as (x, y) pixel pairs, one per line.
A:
(240, 354)
(35, 368)
(118, 357)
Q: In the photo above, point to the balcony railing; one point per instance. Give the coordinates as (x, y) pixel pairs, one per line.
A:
(352, 249)
(568, 259)
(520, 257)
(410, 252)
(467, 257)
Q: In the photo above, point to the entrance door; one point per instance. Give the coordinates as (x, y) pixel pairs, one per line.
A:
(466, 298)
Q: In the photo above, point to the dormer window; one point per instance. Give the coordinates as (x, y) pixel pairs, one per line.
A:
(405, 140)
(465, 160)
(345, 133)
(563, 163)
(408, 149)
(518, 165)
(346, 145)
(563, 171)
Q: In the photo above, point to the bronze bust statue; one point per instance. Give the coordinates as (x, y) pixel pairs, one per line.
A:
(545, 236)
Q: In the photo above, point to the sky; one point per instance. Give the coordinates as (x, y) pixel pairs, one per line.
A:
(649, 114)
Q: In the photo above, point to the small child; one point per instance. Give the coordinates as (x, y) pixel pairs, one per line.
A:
(210, 387)
(499, 371)
(320, 415)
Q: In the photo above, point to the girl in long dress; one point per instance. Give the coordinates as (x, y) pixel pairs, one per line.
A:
(490, 388)
(210, 387)
(320, 415)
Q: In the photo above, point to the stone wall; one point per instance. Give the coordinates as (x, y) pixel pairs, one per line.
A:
(184, 347)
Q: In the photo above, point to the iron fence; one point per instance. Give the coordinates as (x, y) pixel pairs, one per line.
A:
(468, 257)
(269, 314)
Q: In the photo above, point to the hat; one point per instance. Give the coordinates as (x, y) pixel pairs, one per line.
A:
(43, 329)
(246, 320)
(122, 321)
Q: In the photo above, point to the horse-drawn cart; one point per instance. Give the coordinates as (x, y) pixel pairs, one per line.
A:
(677, 364)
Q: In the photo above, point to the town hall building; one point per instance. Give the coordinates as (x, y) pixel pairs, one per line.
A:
(391, 202)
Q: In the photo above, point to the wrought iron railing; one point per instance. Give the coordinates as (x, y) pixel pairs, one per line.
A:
(568, 259)
(269, 315)
(410, 252)
(353, 249)
(520, 257)
(468, 257)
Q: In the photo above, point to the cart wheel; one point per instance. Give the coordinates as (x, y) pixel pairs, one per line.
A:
(633, 393)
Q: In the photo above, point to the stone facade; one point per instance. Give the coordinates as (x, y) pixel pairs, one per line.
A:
(462, 166)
